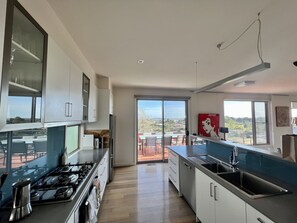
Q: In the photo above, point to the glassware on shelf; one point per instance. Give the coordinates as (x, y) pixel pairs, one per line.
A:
(23, 68)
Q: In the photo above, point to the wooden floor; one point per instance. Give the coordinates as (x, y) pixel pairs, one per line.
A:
(143, 194)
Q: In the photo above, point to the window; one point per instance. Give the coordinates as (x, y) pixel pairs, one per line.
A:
(160, 123)
(247, 122)
(71, 141)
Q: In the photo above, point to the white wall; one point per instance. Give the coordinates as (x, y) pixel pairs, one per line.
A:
(279, 100)
(125, 109)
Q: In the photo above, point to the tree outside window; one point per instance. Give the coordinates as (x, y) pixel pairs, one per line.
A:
(246, 121)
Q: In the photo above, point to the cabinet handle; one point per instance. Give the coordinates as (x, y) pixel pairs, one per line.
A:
(210, 190)
(70, 109)
(67, 109)
(260, 220)
(215, 193)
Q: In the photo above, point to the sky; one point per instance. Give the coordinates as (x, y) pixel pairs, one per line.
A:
(241, 109)
(176, 109)
(153, 108)
(231, 109)
(21, 106)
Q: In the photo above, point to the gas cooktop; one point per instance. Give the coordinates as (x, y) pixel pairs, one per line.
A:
(61, 184)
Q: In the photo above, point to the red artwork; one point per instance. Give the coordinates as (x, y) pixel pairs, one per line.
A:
(208, 125)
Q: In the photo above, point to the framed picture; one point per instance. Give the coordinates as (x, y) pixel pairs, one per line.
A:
(208, 125)
(282, 114)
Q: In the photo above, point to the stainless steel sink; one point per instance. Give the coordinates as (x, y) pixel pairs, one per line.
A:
(252, 185)
(218, 167)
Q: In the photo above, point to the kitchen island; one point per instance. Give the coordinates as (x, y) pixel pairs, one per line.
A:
(279, 208)
(65, 211)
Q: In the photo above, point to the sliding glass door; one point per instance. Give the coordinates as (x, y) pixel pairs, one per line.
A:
(160, 123)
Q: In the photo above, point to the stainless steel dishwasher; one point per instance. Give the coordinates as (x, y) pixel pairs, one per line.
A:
(187, 182)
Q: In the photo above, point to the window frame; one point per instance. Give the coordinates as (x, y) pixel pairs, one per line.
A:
(254, 132)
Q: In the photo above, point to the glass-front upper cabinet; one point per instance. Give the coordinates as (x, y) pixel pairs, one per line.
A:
(23, 71)
(86, 95)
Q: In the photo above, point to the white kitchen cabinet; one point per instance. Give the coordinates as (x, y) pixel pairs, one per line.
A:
(104, 107)
(104, 103)
(254, 216)
(74, 217)
(205, 206)
(71, 219)
(23, 58)
(93, 103)
(2, 30)
(216, 204)
(63, 87)
(103, 173)
(75, 92)
(173, 169)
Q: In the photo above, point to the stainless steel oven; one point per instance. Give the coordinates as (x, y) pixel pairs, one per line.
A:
(89, 207)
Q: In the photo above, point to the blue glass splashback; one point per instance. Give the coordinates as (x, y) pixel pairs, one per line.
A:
(270, 166)
(36, 164)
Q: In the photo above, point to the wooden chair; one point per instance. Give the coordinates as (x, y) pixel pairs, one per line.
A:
(150, 145)
(40, 148)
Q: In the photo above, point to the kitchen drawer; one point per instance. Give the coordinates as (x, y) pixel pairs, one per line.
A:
(173, 169)
(254, 216)
(174, 179)
(173, 164)
(173, 156)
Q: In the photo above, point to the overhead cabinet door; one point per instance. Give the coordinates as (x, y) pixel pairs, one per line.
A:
(63, 87)
(23, 62)
(57, 87)
(75, 93)
(92, 117)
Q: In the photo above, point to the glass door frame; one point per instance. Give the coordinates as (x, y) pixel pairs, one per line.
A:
(162, 99)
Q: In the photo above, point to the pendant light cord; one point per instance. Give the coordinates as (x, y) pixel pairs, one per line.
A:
(259, 42)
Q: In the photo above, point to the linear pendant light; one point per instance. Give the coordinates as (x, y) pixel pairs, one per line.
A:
(262, 66)
(258, 68)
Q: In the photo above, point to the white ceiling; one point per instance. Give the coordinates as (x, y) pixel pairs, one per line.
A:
(171, 35)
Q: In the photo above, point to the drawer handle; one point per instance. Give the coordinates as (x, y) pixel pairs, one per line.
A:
(260, 220)
(210, 190)
(173, 162)
(172, 170)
